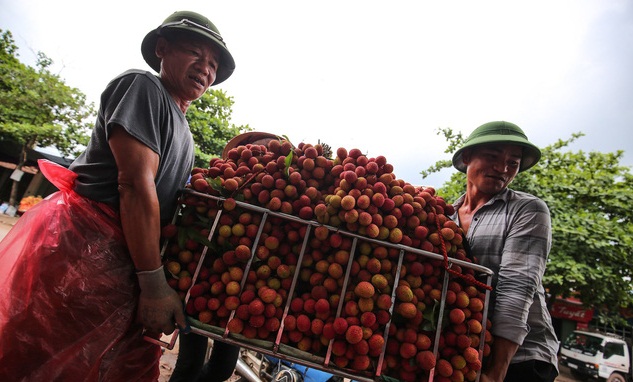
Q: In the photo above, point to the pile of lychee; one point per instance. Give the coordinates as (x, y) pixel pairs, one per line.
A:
(280, 243)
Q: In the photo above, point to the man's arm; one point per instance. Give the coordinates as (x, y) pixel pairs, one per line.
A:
(137, 166)
(159, 305)
(521, 271)
(502, 351)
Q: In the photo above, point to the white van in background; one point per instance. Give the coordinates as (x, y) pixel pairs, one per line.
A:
(597, 355)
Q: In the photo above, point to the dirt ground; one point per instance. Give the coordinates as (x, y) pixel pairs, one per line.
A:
(6, 223)
(167, 363)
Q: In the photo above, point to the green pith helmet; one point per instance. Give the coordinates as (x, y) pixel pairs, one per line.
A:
(191, 22)
(503, 133)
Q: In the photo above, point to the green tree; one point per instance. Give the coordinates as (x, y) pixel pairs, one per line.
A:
(37, 108)
(590, 197)
(209, 120)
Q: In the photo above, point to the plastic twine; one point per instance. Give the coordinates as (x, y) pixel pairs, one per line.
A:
(469, 278)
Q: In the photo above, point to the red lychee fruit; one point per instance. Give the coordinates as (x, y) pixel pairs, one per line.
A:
(316, 327)
(303, 323)
(366, 304)
(354, 334)
(404, 293)
(463, 341)
(339, 347)
(235, 325)
(196, 290)
(328, 331)
(407, 310)
(376, 342)
(231, 302)
(290, 323)
(296, 305)
(379, 281)
(362, 347)
(444, 368)
(242, 252)
(423, 342)
(257, 321)
(471, 355)
(474, 326)
(458, 362)
(462, 300)
(267, 295)
(383, 317)
(340, 325)
(247, 296)
(272, 324)
(256, 307)
(425, 359)
(367, 319)
(457, 316)
(364, 289)
(322, 306)
(232, 288)
(476, 305)
(348, 202)
(407, 350)
(360, 363)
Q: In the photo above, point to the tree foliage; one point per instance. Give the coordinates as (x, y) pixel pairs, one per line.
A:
(589, 195)
(37, 108)
(209, 118)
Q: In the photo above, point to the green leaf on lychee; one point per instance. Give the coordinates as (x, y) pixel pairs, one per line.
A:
(193, 234)
(182, 237)
(431, 317)
(216, 184)
(288, 163)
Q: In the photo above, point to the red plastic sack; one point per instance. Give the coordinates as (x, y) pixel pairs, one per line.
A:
(68, 294)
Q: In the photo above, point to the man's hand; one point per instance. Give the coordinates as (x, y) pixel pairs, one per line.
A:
(159, 307)
(484, 378)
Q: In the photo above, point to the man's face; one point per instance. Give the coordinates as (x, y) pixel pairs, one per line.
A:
(491, 168)
(188, 66)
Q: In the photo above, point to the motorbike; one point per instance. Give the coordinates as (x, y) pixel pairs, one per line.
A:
(256, 367)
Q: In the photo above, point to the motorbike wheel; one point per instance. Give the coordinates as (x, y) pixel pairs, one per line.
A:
(287, 375)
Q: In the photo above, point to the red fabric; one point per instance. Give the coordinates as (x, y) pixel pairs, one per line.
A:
(68, 294)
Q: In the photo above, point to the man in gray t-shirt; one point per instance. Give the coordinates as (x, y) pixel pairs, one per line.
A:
(87, 258)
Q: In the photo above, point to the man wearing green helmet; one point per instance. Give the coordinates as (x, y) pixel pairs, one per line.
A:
(510, 233)
(81, 274)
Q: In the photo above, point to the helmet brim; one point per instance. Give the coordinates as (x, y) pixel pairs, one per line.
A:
(531, 153)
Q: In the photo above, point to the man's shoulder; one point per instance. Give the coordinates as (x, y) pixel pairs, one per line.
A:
(521, 198)
(521, 195)
(132, 75)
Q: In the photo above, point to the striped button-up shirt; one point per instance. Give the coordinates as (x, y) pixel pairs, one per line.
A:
(511, 235)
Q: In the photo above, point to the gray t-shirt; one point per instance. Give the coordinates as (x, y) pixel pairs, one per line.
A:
(137, 101)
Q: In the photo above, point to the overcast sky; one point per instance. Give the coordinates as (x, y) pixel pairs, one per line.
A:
(376, 75)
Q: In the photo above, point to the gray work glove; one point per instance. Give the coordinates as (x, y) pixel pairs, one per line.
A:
(159, 306)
